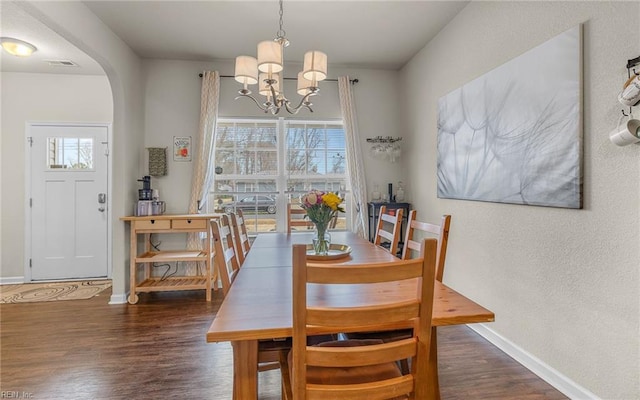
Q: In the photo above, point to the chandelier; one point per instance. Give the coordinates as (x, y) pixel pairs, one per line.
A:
(267, 70)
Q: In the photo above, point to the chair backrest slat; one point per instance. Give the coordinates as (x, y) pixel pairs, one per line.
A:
(380, 354)
(339, 318)
(365, 273)
(402, 384)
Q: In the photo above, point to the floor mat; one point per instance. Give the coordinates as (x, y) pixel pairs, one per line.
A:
(53, 291)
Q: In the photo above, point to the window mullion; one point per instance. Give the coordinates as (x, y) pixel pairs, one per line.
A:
(281, 180)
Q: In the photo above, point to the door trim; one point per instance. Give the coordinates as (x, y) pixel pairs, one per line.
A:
(27, 194)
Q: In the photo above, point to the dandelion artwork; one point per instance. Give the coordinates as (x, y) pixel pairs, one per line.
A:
(321, 208)
(514, 135)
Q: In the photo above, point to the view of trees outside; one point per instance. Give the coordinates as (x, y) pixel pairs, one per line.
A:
(247, 154)
(70, 153)
(315, 149)
(247, 149)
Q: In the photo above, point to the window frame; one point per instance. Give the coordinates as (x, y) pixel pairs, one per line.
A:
(281, 192)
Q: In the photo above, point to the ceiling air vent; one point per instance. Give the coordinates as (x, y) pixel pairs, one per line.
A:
(61, 63)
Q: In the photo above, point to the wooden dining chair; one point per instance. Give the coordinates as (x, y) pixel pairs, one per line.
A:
(295, 218)
(383, 233)
(334, 222)
(224, 252)
(242, 242)
(359, 369)
(441, 232)
(228, 266)
(412, 246)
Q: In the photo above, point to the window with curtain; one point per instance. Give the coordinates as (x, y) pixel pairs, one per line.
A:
(263, 164)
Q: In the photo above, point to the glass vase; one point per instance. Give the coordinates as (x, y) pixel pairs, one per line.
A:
(321, 240)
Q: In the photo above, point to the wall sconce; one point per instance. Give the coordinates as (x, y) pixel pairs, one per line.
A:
(17, 47)
(385, 148)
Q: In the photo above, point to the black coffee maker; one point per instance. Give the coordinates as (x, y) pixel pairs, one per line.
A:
(145, 193)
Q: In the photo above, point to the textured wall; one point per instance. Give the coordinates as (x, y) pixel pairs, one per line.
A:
(564, 284)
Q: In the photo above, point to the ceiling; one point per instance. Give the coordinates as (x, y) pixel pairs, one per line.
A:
(354, 33)
(16, 23)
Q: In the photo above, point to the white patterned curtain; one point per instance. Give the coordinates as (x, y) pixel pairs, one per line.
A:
(203, 174)
(354, 159)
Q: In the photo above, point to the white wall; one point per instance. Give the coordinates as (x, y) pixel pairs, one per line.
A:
(77, 24)
(38, 98)
(172, 108)
(564, 284)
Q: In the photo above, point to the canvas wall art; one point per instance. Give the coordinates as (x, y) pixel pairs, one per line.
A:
(514, 135)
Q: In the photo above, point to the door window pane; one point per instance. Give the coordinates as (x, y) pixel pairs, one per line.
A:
(70, 153)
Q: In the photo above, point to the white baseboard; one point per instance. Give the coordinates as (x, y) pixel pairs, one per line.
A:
(118, 299)
(553, 377)
(12, 280)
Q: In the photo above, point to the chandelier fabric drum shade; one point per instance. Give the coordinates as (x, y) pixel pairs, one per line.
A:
(246, 70)
(269, 56)
(315, 66)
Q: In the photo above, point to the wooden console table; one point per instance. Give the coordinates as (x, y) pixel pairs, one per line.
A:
(186, 223)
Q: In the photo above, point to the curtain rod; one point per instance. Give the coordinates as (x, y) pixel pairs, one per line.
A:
(353, 81)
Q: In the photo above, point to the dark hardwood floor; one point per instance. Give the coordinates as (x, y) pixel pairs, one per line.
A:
(87, 349)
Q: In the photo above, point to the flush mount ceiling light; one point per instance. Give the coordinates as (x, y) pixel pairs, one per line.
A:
(17, 47)
(267, 70)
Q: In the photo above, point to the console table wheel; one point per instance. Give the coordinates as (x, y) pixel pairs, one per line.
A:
(133, 298)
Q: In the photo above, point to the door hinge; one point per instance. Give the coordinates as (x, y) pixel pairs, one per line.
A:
(30, 201)
(106, 148)
(30, 263)
(30, 140)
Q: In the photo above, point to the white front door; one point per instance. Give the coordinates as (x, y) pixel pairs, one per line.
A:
(68, 201)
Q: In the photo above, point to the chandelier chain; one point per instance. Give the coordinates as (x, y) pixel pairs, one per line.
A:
(281, 32)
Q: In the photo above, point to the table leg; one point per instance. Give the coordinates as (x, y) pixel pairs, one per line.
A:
(432, 367)
(147, 249)
(245, 369)
(207, 263)
(133, 251)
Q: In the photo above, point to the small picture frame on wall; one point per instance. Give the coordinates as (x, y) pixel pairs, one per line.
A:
(182, 148)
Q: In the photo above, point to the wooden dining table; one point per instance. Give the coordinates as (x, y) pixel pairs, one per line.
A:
(258, 305)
